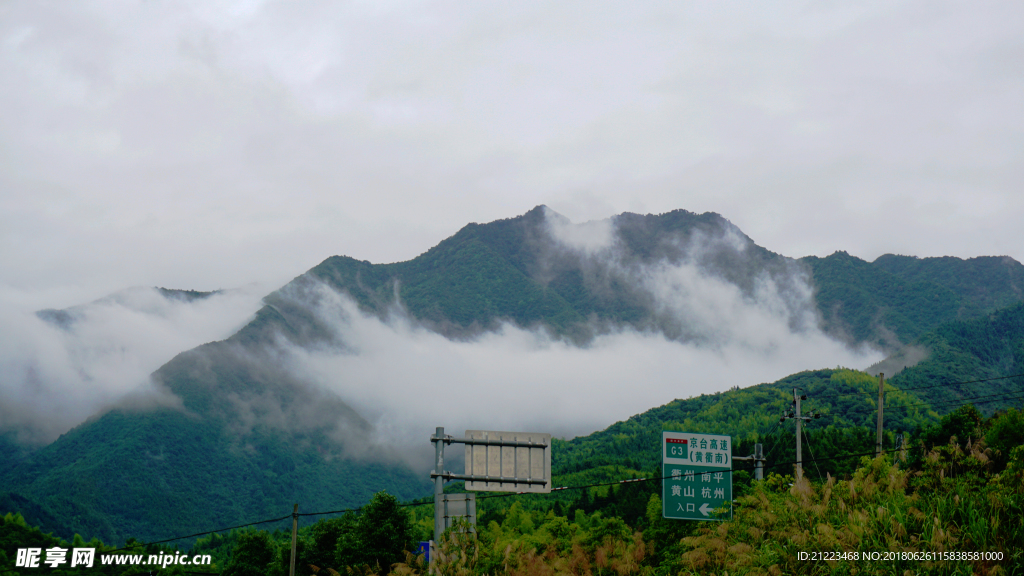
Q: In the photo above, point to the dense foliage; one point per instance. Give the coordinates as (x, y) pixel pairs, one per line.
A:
(991, 346)
(950, 491)
(893, 504)
(162, 473)
(896, 299)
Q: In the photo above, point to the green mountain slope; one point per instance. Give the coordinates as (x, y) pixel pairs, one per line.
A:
(518, 270)
(982, 283)
(845, 398)
(163, 473)
(247, 442)
(896, 299)
(961, 351)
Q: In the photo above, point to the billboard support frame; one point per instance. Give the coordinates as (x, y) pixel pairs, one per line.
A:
(534, 484)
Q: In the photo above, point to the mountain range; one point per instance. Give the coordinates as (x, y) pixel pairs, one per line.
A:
(247, 434)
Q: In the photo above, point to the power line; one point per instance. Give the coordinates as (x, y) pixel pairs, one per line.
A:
(962, 401)
(775, 442)
(141, 544)
(959, 383)
(860, 393)
(898, 389)
(808, 438)
(768, 435)
(772, 430)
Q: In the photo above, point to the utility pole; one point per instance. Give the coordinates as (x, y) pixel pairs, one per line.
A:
(758, 458)
(795, 415)
(758, 462)
(438, 440)
(295, 534)
(799, 437)
(881, 391)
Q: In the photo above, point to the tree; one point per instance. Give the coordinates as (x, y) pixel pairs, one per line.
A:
(964, 424)
(252, 555)
(381, 536)
(1005, 434)
(325, 536)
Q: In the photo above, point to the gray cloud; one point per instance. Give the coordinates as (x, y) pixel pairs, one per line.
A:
(905, 357)
(211, 144)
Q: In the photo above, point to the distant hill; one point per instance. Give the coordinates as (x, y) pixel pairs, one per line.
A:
(896, 299)
(984, 348)
(131, 298)
(519, 270)
(522, 270)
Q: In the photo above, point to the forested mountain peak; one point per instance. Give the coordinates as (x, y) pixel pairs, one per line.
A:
(540, 270)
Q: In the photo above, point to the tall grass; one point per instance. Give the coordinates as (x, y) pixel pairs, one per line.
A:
(950, 506)
(883, 512)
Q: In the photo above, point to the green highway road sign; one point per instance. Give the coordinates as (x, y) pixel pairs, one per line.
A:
(697, 470)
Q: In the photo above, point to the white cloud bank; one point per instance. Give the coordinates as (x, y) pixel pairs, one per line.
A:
(407, 380)
(52, 377)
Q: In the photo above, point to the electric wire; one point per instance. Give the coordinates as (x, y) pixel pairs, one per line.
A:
(961, 401)
(892, 388)
(808, 439)
(959, 383)
(768, 435)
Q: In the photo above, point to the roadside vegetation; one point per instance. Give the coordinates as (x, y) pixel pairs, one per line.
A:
(953, 499)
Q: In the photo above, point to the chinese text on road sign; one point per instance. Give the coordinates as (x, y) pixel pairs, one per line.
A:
(697, 470)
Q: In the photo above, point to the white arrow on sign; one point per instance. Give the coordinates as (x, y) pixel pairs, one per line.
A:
(704, 509)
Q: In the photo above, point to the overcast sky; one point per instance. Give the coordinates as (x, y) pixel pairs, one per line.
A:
(212, 144)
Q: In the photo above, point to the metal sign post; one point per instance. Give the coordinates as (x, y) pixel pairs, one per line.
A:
(459, 506)
(437, 475)
(758, 458)
(495, 461)
(697, 470)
